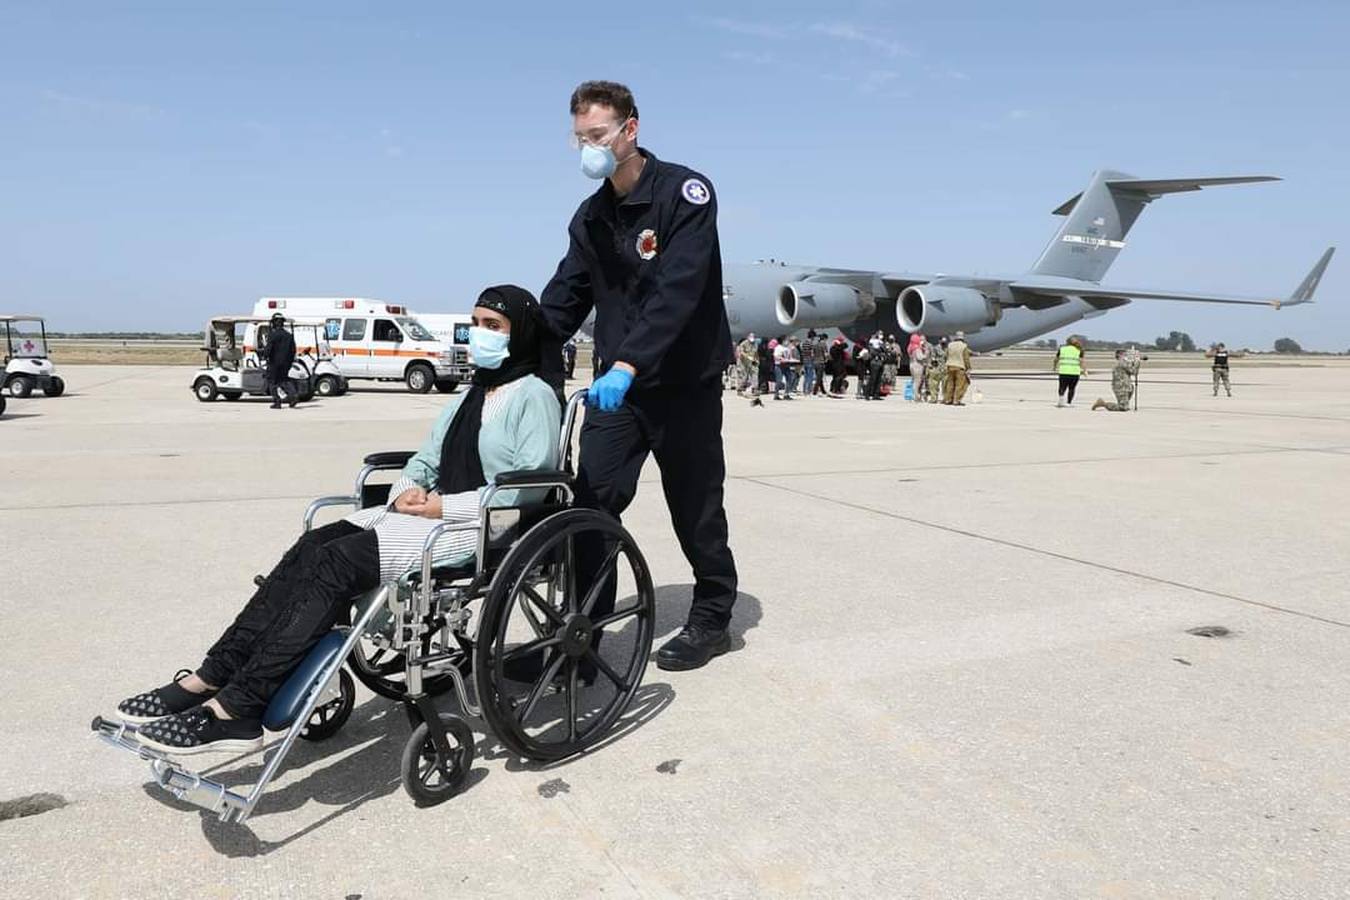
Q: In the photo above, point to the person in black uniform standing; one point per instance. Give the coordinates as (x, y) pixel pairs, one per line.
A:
(280, 355)
(643, 253)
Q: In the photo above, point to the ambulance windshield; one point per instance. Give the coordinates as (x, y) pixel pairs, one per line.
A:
(415, 330)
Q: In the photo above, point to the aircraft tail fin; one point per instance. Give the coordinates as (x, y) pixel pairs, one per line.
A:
(1304, 292)
(1097, 220)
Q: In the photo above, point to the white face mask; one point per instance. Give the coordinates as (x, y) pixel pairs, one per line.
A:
(489, 349)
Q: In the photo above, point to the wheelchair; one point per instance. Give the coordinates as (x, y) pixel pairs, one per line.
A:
(463, 629)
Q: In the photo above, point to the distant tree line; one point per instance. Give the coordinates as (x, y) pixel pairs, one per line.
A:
(1176, 341)
(128, 335)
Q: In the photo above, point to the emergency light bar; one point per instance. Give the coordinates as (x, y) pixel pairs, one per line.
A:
(393, 310)
(344, 304)
(276, 304)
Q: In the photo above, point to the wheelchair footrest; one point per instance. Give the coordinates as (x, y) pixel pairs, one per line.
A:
(183, 784)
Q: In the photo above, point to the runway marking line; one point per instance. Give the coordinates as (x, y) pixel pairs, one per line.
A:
(1051, 553)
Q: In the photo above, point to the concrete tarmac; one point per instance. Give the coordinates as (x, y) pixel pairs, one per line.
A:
(962, 665)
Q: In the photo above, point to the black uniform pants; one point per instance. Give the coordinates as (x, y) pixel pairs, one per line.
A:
(281, 390)
(296, 605)
(682, 426)
(1068, 384)
(874, 373)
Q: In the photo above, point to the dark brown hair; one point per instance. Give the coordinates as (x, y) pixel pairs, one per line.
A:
(606, 93)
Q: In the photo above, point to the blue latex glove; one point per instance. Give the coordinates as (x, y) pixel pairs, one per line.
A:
(608, 390)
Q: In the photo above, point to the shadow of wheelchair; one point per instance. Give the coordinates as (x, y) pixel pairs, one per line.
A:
(343, 781)
(377, 731)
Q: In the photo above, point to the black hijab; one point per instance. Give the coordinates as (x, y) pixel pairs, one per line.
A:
(461, 468)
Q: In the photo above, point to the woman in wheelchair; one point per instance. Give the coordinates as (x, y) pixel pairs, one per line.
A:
(508, 420)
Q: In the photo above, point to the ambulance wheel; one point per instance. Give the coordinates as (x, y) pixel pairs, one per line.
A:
(55, 388)
(447, 387)
(205, 389)
(327, 386)
(231, 395)
(20, 386)
(420, 378)
(328, 718)
(430, 777)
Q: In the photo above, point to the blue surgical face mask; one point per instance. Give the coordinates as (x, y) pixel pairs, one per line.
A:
(488, 348)
(598, 162)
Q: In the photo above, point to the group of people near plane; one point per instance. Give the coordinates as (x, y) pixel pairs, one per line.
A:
(789, 367)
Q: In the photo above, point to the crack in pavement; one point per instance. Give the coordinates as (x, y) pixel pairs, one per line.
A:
(1156, 579)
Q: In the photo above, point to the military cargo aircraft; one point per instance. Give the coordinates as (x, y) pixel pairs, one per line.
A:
(1064, 286)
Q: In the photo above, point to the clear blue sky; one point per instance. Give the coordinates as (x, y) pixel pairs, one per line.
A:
(162, 162)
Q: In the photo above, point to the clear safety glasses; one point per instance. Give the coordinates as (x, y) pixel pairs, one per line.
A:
(597, 136)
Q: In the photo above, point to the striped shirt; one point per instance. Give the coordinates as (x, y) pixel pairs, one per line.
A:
(401, 536)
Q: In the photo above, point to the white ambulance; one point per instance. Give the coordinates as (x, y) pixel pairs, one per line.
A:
(374, 340)
(452, 328)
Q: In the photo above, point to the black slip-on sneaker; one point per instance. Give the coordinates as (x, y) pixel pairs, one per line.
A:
(199, 731)
(168, 700)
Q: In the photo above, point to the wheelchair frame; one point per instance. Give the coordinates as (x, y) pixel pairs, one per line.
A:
(415, 599)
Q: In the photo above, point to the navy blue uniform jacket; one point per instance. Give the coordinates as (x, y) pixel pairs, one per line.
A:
(650, 266)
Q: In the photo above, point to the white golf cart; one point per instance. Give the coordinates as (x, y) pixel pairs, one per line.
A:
(26, 363)
(233, 367)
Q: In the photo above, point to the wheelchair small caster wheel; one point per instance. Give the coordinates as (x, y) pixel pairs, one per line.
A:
(429, 777)
(328, 718)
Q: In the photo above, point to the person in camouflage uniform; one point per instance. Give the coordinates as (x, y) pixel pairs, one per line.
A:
(747, 364)
(1122, 382)
(937, 371)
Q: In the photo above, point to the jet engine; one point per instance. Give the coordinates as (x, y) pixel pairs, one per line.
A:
(937, 309)
(807, 304)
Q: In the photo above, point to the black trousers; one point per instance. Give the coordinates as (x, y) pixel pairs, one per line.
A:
(1068, 383)
(873, 390)
(682, 426)
(296, 605)
(281, 390)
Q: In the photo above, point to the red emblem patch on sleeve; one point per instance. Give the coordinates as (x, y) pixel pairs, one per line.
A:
(646, 244)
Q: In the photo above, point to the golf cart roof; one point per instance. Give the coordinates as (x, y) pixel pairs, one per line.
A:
(21, 318)
(235, 320)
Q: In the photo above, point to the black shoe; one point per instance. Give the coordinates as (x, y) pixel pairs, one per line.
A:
(275, 406)
(169, 700)
(293, 401)
(199, 731)
(692, 648)
(530, 668)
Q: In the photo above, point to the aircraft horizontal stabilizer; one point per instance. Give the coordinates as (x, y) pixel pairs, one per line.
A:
(1156, 187)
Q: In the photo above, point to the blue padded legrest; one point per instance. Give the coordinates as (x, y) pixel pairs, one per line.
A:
(288, 699)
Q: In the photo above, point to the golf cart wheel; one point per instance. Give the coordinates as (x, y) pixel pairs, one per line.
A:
(231, 395)
(420, 378)
(2, 404)
(447, 387)
(328, 718)
(306, 395)
(55, 387)
(327, 386)
(428, 777)
(205, 390)
(20, 386)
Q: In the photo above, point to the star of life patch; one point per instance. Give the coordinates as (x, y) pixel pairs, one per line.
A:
(646, 244)
(695, 191)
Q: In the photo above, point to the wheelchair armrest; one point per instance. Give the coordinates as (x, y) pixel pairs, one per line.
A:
(532, 476)
(390, 459)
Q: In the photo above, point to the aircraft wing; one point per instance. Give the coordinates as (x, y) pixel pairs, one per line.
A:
(1036, 290)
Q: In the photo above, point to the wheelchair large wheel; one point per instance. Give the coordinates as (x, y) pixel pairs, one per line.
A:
(554, 668)
(382, 669)
(428, 777)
